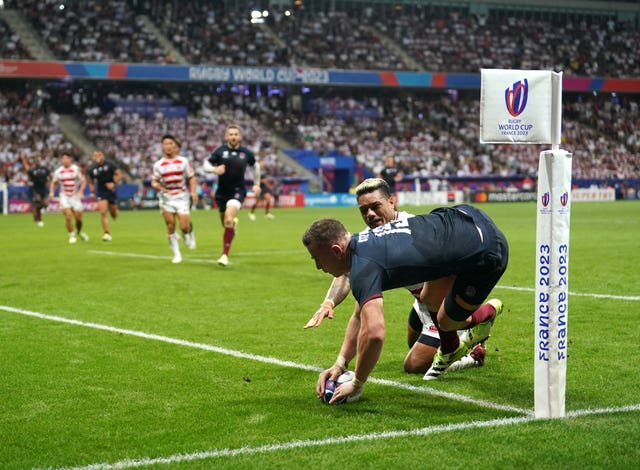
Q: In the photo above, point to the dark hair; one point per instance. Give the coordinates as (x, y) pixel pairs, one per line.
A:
(324, 232)
(169, 136)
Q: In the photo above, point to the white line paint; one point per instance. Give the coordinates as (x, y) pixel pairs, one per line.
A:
(288, 252)
(194, 260)
(297, 444)
(578, 294)
(264, 359)
(217, 453)
(139, 255)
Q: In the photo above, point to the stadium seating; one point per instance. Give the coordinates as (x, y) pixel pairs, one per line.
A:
(429, 133)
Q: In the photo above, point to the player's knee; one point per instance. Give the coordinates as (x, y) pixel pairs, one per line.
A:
(418, 363)
(412, 366)
(409, 365)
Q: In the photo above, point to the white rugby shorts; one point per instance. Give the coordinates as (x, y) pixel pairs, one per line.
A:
(428, 327)
(71, 202)
(178, 204)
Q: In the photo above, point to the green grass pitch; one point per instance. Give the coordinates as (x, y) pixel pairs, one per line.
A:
(113, 357)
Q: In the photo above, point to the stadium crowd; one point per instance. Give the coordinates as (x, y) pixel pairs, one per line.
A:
(94, 31)
(439, 136)
(26, 128)
(429, 134)
(379, 36)
(10, 45)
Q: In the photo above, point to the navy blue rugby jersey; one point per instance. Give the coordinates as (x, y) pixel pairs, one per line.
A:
(39, 178)
(102, 173)
(421, 248)
(236, 162)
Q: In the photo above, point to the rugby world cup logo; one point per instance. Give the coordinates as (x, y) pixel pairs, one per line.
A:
(545, 199)
(564, 199)
(516, 97)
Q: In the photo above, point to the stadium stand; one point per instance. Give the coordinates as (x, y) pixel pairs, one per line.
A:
(431, 133)
(27, 127)
(94, 30)
(10, 45)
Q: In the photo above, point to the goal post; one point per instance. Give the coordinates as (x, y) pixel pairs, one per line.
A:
(525, 107)
(552, 282)
(4, 195)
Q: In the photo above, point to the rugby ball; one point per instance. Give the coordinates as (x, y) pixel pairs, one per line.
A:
(331, 386)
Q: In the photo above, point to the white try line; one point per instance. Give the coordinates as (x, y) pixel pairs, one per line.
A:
(289, 252)
(264, 359)
(298, 444)
(578, 294)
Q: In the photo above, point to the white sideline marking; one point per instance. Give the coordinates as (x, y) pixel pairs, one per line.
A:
(264, 359)
(297, 444)
(216, 453)
(286, 252)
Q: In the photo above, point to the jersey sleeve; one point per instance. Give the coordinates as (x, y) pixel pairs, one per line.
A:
(214, 158)
(366, 279)
(251, 158)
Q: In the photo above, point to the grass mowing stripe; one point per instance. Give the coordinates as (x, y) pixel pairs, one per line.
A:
(419, 432)
(264, 359)
(288, 252)
(202, 455)
(139, 255)
(239, 255)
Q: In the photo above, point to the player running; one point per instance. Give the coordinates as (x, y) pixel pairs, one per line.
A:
(103, 178)
(39, 180)
(230, 162)
(170, 176)
(72, 185)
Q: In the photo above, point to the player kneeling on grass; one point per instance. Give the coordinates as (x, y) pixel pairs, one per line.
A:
(459, 241)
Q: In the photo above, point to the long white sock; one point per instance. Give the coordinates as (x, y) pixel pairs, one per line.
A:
(173, 243)
(463, 363)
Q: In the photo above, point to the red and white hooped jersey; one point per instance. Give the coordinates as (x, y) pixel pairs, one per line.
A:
(69, 178)
(173, 173)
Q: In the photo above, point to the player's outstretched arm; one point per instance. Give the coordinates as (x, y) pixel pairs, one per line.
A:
(337, 292)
